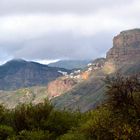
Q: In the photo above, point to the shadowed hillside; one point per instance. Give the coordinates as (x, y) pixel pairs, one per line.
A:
(17, 74)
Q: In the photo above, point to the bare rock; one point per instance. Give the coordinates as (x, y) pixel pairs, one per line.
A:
(126, 48)
(60, 86)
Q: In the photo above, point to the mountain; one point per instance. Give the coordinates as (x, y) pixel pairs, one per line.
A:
(55, 88)
(89, 90)
(123, 57)
(70, 64)
(82, 89)
(19, 73)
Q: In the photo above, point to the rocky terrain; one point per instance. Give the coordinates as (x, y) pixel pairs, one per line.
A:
(60, 86)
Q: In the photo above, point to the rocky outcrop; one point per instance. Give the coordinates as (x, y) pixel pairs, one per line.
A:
(60, 86)
(126, 48)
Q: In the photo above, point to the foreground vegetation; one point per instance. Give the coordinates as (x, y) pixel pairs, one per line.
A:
(118, 118)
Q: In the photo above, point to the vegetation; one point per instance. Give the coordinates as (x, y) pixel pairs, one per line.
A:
(118, 118)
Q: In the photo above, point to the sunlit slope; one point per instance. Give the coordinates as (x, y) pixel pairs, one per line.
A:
(84, 96)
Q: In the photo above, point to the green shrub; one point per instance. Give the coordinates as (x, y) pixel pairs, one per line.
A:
(73, 136)
(6, 132)
(33, 135)
(28, 117)
(60, 122)
(98, 124)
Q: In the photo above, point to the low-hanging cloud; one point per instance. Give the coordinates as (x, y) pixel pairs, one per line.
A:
(60, 46)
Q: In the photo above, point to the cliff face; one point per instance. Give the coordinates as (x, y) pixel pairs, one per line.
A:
(60, 86)
(126, 48)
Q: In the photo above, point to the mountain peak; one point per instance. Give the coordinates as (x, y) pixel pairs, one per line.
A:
(19, 60)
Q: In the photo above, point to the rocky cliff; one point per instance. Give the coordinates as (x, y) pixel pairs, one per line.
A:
(60, 86)
(126, 48)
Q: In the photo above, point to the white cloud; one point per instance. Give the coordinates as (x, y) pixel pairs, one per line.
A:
(32, 26)
(57, 6)
(46, 62)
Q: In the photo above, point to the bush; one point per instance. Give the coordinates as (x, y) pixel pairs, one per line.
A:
(73, 136)
(6, 132)
(3, 112)
(33, 135)
(60, 122)
(98, 124)
(28, 117)
(121, 92)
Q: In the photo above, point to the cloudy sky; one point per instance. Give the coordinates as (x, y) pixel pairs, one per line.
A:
(44, 30)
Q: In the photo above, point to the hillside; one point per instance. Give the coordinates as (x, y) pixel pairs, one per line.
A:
(11, 99)
(55, 88)
(70, 64)
(123, 57)
(84, 96)
(19, 73)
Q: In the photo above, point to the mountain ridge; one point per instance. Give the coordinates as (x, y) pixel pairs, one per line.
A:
(70, 64)
(20, 73)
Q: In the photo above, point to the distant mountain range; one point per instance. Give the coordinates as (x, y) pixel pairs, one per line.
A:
(70, 64)
(19, 73)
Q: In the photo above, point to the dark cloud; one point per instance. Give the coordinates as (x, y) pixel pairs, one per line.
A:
(62, 45)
